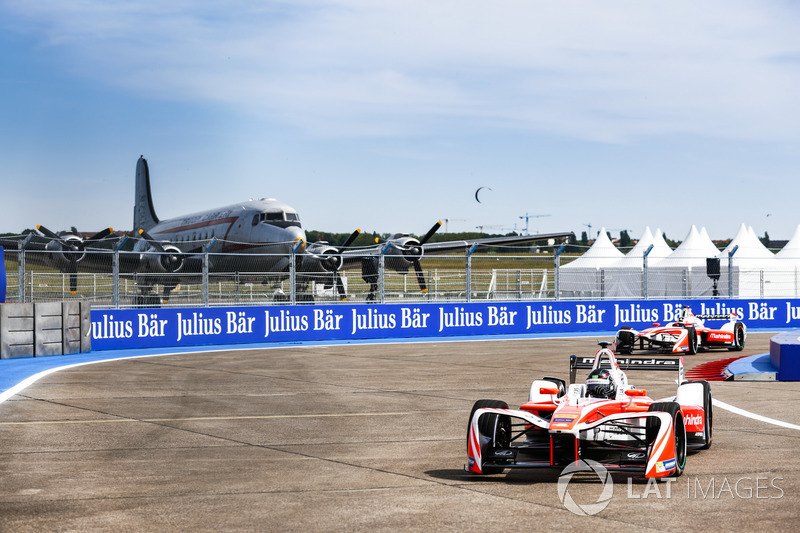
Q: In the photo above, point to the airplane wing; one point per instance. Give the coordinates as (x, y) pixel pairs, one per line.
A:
(403, 252)
(456, 246)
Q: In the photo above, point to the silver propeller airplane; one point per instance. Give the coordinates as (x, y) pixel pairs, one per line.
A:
(257, 236)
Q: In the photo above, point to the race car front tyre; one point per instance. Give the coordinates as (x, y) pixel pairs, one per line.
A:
(709, 415)
(738, 337)
(496, 427)
(679, 432)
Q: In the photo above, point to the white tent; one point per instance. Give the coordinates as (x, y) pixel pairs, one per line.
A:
(748, 248)
(625, 277)
(757, 272)
(789, 259)
(692, 252)
(791, 252)
(635, 257)
(602, 253)
(585, 276)
(684, 272)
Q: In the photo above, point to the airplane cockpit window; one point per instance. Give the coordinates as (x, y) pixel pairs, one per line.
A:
(277, 218)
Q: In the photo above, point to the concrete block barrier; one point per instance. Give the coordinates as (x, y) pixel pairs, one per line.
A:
(44, 328)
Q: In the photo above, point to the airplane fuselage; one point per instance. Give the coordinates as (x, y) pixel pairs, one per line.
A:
(256, 235)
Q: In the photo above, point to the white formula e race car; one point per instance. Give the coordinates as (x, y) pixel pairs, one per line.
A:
(604, 419)
(686, 335)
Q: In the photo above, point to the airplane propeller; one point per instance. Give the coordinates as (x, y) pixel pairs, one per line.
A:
(339, 285)
(416, 253)
(329, 258)
(410, 249)
(72, 249)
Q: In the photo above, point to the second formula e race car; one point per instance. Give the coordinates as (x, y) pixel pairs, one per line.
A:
(604, 419)
(687, 335)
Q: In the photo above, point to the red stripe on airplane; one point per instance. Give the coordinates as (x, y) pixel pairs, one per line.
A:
(229, 220)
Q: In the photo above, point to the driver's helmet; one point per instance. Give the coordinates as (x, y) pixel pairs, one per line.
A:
(599, 384)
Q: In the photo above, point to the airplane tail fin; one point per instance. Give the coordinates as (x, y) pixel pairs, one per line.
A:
(144, 215)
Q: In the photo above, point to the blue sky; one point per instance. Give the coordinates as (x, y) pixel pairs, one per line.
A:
(388, 115)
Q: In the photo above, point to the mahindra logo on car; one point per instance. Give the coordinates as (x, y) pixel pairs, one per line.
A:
(652, 361)
(718, 336)
(694, 420)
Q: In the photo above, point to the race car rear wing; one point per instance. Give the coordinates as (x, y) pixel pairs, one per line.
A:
(628, 363)
(729, 316)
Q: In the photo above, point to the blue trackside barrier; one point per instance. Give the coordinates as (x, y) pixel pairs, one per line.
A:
(784, 355)
(2, 276)
(170, 327)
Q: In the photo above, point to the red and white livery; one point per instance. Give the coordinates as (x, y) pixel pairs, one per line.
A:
(604, 419)
(687, 335)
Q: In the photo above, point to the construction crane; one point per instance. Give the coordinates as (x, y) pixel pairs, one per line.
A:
(527, 217)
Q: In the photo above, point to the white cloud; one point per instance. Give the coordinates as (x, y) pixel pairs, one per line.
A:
(607, 71)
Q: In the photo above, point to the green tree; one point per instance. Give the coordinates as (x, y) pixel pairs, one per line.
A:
(624, 239)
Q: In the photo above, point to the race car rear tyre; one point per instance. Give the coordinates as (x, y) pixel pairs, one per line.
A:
(625, 340)
(692, 339)
(738, 337)
(497, 427)
(674, 409)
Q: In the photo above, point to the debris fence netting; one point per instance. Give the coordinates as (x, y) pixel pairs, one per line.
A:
(125, 279)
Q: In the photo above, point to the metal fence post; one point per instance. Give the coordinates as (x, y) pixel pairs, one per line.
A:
(115, 278)
(469, 271)
(644, 270)
(382, 273)
(730, 271)
(115, 272)
(557, 272)
(205, 271)
(602, 283)
(21, 269)
(293, 272)
(21, 275)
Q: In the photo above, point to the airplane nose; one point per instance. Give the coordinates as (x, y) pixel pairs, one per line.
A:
(294, 233)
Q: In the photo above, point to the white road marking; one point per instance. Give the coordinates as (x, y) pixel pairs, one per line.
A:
(748, 414)
(24, 384)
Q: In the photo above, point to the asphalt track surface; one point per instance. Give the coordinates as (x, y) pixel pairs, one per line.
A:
(358, 438)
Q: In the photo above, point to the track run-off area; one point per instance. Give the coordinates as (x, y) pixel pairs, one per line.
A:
(359, 437)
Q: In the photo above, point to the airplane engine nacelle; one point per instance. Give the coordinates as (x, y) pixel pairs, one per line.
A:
(405, 251)
(167, 262)
(321, 257)
(65, 252)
